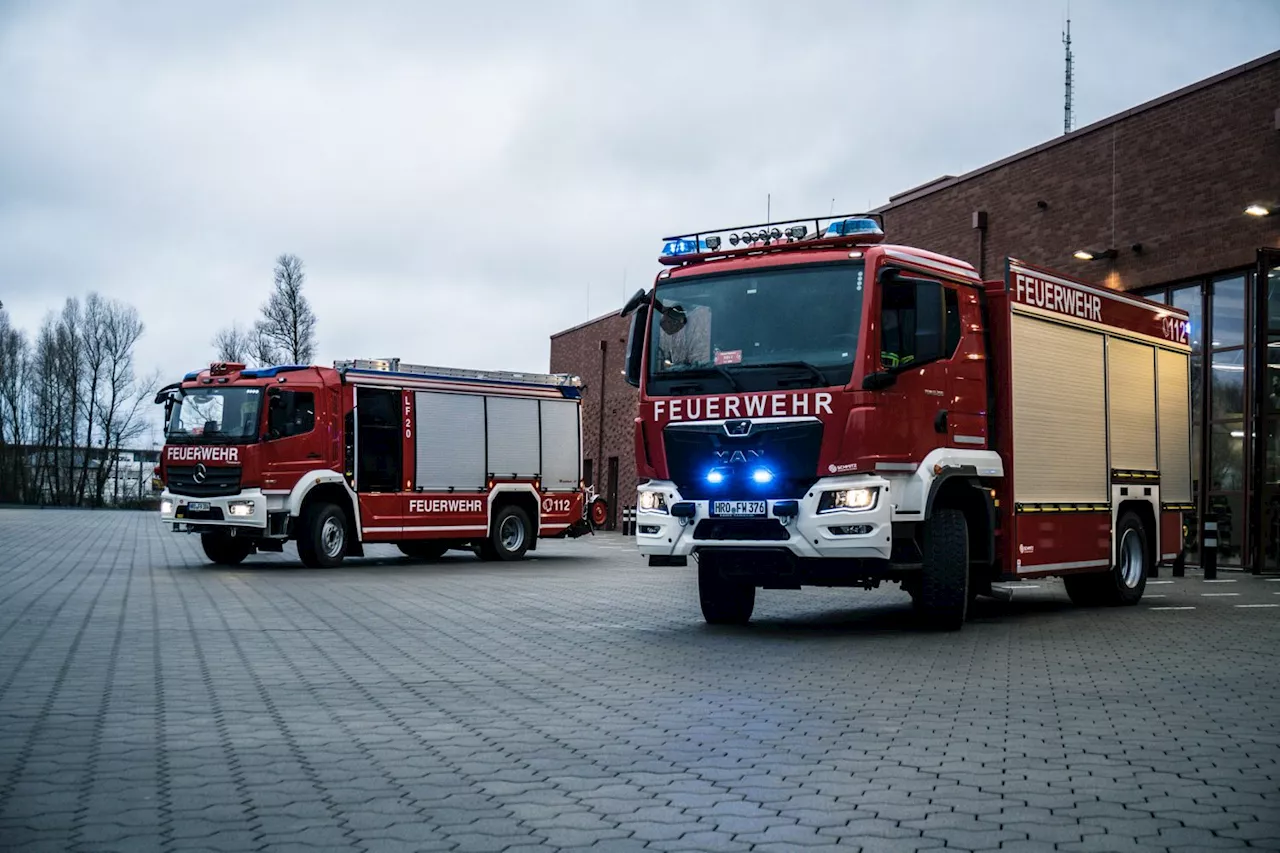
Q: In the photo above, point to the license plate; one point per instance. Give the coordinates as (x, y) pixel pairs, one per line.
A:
(198, 506)
(738, 509)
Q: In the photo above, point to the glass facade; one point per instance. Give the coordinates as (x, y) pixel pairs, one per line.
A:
(1235, 402)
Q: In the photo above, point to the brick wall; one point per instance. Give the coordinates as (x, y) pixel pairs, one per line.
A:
(578, 351)
(1174, 177)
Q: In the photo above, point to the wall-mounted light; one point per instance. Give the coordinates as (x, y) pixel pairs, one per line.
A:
(1093, 254)
(1042, 204)
(1257, 210)
(1137, 248)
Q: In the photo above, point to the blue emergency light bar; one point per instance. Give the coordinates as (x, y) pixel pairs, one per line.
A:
(857, 227)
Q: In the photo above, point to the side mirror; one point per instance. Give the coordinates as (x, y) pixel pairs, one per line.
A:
(641, 296)
(635, 345)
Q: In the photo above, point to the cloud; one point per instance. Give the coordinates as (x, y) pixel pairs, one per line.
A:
(463, 181)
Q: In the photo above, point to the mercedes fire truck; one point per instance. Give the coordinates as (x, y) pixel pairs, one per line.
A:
(818, 407)
(426, 458)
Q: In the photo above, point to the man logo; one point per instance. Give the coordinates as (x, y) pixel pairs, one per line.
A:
(738, 455)
(201, 473)
(737, 427)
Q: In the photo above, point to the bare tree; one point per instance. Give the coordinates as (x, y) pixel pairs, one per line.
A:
(262, 352)
(93, 333)
(233, 344)
(15, 376)
(122, 394)
(288, 323)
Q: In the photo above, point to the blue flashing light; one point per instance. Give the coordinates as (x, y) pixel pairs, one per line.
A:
(762, 476)
(715, 477)
(672, 248)
(854, 227)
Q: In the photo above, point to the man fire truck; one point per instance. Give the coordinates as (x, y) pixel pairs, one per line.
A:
(427, 458)
(821, 408)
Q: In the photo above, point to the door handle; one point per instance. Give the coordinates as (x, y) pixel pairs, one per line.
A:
(940, 422)
(313, 455)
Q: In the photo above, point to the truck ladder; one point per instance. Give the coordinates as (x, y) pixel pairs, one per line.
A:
(394, 365)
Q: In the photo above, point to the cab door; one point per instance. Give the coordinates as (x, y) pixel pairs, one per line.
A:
(966, 364)
(379, 452)
(292, 445)
(912, 379)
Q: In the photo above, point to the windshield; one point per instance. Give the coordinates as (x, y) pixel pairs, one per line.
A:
(795, 327)
(216, 416)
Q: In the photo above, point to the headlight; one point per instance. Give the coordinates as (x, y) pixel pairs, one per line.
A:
(848, 499)
(240, 508)
(166, 507)
(653, 502)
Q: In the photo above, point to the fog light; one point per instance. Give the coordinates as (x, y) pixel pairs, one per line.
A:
(240, 508)
(848, 499)
(166, 507)
(851, 529)
(650, 529)
(653, 502)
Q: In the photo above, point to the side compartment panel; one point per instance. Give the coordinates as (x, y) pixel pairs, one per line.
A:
(1059, 414)
(514, 449)
(450, 441)
(561, 456)
(1170, 534)
(1131, 400)
(1050, 542)
(1173, 374)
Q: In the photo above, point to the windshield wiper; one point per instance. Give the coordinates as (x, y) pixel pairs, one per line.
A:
(808, 367)
(713, 370)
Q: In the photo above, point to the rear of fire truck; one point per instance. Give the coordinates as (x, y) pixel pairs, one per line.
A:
(820, 408)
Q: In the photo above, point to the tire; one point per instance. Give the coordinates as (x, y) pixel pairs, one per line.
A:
(322, 541)
(598, 512)
(225, 550)
(510, 536)
(943, 599)
(424, 549)
(1124, 583)
(724, 601)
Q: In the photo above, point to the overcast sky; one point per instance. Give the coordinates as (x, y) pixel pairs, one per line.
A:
(464, 180)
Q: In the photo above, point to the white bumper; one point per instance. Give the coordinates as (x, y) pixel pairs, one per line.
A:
(174, 509)
(658, 533)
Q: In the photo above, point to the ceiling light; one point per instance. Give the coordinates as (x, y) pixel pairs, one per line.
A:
(1257, 210)
(1083, 255)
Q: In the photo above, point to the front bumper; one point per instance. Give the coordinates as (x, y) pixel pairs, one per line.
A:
(177, 510)
(808, 534)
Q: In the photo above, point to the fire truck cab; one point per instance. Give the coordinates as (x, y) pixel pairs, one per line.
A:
(819, 407)
(426, 458)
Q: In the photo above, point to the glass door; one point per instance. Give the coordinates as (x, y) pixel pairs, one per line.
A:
(1265, 504)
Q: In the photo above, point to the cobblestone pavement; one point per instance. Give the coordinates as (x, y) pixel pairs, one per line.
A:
(149, 701)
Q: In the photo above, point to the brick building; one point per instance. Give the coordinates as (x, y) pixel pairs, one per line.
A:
(1157, 195)
(596, 351)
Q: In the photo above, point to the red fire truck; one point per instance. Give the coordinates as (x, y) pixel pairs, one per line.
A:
(817, 407)
(427, 458)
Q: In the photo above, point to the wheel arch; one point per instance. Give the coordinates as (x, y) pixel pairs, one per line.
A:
(521, 496)
(1141, 508)
(339, 495)
(961, 489)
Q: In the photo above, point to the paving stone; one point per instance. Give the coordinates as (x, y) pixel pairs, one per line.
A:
(579, 701)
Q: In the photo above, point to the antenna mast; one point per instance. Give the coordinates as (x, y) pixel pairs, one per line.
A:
(1067, 118)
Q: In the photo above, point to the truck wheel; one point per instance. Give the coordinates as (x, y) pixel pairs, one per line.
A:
(943, 599)
(724, 601)
(510, 536)
(225, 550)
(424, 549)
(322, 541)
(1125, 582)
(598, 512)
